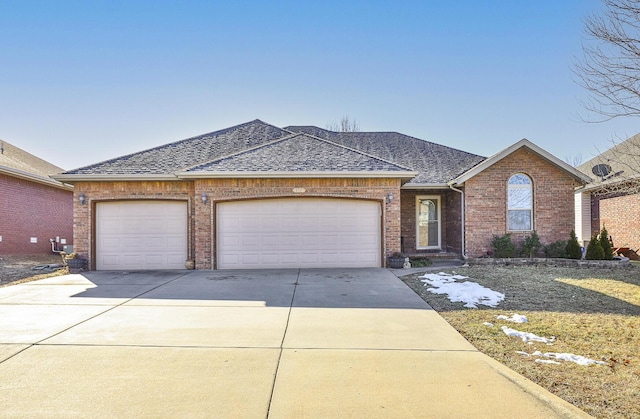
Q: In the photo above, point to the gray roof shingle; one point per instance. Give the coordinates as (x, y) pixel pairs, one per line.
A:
(259, 147)
(299, 153)
(436, 163)
(182, 154)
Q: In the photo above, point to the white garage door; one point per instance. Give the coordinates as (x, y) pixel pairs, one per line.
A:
(141, 235)
(298, 233)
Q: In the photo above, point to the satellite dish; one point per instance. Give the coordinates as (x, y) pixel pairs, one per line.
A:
(601, 170)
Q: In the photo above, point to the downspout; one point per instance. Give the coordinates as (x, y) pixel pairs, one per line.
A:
(462, 215)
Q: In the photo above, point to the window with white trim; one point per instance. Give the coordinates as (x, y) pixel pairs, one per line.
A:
(520, 203)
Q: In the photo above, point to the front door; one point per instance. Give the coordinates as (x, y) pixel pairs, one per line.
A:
(428, 222)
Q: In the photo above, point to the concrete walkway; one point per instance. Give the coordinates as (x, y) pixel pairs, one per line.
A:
(246, 344)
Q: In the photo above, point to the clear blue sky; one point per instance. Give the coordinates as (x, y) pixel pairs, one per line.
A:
(85, 81)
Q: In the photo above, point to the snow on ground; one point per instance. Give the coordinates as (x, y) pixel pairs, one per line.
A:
(515, 318)
(527, 337)
(470, 293)
(578, 359)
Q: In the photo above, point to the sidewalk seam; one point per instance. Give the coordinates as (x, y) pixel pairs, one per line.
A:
(284, 335)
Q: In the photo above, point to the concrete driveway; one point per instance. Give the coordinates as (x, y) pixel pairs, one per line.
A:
(246, 344)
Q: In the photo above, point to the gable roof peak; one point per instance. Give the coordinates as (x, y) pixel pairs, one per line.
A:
(523, 143)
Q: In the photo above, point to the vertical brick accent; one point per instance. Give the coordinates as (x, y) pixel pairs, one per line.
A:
(29, 209)
(486, 201)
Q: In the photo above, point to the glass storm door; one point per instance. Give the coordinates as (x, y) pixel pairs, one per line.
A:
(428, 222)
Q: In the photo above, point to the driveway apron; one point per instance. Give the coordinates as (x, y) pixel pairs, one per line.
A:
(310, 343)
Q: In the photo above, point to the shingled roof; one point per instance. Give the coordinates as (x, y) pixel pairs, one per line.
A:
(18, 163)
(436, 164)
(298, 153)
(618, 165)
(258, 148)
(170, 158)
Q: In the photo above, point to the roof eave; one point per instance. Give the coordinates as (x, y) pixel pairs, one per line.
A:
(412, 186)
(72, 178)
(288, 174)
(49, 181)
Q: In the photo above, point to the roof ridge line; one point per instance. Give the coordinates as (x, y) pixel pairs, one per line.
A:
(357, 151)
(239, 152)
(218, 132)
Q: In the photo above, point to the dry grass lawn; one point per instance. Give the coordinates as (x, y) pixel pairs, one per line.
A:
(591, 312)
(17, 269)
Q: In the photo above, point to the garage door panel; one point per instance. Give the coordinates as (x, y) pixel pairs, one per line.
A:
(141, 235)
(299, 233)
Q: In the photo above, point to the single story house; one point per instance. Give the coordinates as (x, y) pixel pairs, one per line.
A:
(612, 200)
(259, 196)
(33, 207)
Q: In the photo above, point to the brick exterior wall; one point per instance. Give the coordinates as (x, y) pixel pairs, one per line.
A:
(201, 228)
(486, 201)
(621, 216)
(33, 210)
(95, 192)
(450, 221)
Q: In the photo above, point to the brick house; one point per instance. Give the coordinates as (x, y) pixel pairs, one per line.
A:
(33, 207)
(612, 200)
(259, 196)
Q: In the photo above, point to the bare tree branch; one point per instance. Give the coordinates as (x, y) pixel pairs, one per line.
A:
(610, 66)
(345, 125)
(609, 70)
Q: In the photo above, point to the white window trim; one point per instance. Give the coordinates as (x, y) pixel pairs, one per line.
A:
(530, 209)
(438, 199)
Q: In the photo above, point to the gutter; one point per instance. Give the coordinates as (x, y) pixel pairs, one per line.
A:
(35, 178)
(461, 192)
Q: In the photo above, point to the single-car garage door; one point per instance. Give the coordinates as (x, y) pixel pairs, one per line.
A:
(298, 233)
(141, 235)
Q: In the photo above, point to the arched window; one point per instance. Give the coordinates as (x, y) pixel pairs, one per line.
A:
(520, 203)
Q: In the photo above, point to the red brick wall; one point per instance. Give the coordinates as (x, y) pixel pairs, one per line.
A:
(451, 235)
(29, 209)
(486, 201)
(202, 220)
(621, 216)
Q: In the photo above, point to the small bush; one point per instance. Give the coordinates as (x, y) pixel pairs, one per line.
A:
(502, 246)
(556, 249)
(605, 242)
(573, 249)
(420, 262)
(530, 246)
(594, 249)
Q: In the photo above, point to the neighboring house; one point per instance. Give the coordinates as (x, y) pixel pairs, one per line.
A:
(33, 207)
(612, 200)
(259, 196)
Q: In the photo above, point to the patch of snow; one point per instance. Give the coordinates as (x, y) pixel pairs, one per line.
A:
(578, 359)
(546, 361)
(523, 353)
(516, 318)
(470, 293)
(526, 336)
(488, 324)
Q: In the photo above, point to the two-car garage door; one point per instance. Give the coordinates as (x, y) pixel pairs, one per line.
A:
(252, 234)
(298, 232)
